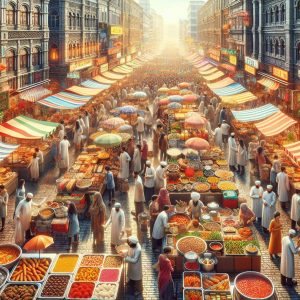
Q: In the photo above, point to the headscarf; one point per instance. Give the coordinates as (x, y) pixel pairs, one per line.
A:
(163, 198)
(245, 211)
(98, 202)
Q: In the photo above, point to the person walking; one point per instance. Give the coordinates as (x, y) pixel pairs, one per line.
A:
(139, 196)
(86, 121)
(283, 182)
(225, 129)
(163, 146)
(218, 137)
(144, 156)
(160, 177)
(40, 156)
(34, 168)
(77, 140)
(295, 209)
(163, 199)
(269, 207)
(20, 192)
(275, 236)
(73, 233)
(153, 212)
(155, 139)
(140, 127)
(223, 115)
(149, 181)
(124, 164)
(260, 161)
(242, 157)
(137, 159)
(148, 121)
(98, 215)
(3, 205)
(256, 193)
(64, 146)
(232, 152)
(110, 184)
(276, 168)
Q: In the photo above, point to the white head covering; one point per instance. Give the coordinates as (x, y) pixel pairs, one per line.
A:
(29, 195)
(133, 239)
(148, 162)
(269, 186)
(257, 182)
(195, 196)
(117, 205)
(292, 232)
(232, 134)
(163, 163)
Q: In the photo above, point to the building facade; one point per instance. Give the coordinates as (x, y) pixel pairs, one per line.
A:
(24, 37)
(157, 24)
(193, 8)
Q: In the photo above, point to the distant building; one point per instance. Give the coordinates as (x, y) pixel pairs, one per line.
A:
(145, 4)
(193, 8)
(183, 30)
(157, 24)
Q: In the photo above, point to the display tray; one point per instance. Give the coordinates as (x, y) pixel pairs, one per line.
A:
(236, 296)
(38, 285)
(53, 270)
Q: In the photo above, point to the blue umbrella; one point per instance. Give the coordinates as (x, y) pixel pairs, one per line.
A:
(126, 128)
(175, 98)
(139, 95)
(174, 105)
(127, 110)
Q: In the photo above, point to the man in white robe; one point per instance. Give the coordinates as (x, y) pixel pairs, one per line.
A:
(269, 207)
(23, 219)
(195, 206)
(139, 196)
(64, 146)
(86, 121)
(160, 178)
(256, 193)
(232, 152)
(218, 137)
(149, 181)
(117, 221)
(287, 264)
(295, 209)
(61, 132)
(158, 233)
(124, 164)
(283, 188)
(137, 159)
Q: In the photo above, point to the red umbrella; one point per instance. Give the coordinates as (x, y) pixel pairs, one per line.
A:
(164, 101)
(195, 121)
(190, 98)
(184, 85)
(197, 144)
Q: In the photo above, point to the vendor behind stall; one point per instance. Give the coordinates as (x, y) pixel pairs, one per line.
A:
(195, 206)
(246, 215)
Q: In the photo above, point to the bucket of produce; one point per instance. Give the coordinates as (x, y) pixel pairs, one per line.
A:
(191, 256)
(9, 255)
(207, 262)
(253, 286)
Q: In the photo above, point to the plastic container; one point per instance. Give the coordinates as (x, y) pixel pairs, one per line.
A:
(54, 297)
(38, 285)
(230, 199)
(59, 260)
(187, 290)
(95, 297)
(195, 273)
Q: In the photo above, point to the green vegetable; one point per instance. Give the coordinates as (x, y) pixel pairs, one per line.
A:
(238, 247)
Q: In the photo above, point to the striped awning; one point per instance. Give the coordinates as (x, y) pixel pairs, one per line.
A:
(122, 70)
(135, 64)
(293, 151)
(202, 63)
(209, 71)
(111, 75)
(255, 114)
(104, 80)
(220, 84)
(7, 149)
(206, 67)
(232, 89)
(214, 76)
(26, 128)
(94, 85)
(83, 91)
(268, 83)
(275, 124)
(238, 99)
(35, 94)
(192, 56)
(65, 100)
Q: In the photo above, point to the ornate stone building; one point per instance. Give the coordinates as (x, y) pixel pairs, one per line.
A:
(24, 37)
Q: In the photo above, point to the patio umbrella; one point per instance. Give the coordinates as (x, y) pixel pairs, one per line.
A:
(139, 94)
(190, 98)
(125, 129)
(127, 110)
(185, 92)
(197, 144)
(112, 123)
(164, 101)
(195, 121)
(38, 243)
(174, 105)
(108, 140)
(184, 85)
(173, 91)
(163, 90)
(175, 98)
(125, 136)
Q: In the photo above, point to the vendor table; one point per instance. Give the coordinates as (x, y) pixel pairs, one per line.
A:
(205, 197)
(11, 184)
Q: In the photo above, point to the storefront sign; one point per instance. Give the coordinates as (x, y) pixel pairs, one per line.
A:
(101, 60)
(116, 30)
(250, 70)
(251, 62)
(128, 58)
(73, 75)
(79, 65)
(233, 60)
(122, 61)
(4, 101)
(226, 51)
(280, 73)
(103, 68)
(112, 51)
(119, 55)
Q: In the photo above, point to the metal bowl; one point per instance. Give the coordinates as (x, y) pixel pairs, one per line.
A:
(5, 272)
(205, 267)
(13, 262)
(196, 238)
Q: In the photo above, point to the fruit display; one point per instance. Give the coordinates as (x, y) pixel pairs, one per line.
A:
(8, 253)
(55, 286)
(238, 247)
(209, 173)
(221, 162)
(201, 187)
(31, 269)
(191, 243)
(103, 155)
(65, 263)
(229, 229)
(216, 282)
(225, 212)
(87, 274)
(217, 295)
(192, 266)
(109, 275)
(212, 226)
(113, 261)
(173, 168)
(46, 213)
(83, 184)
(105, 291)
(81, 290)
(92, 260)
(224, 174)
(192, 294)
(180, 219)
(227, 186)
(6, 174)
(254, 285)
(19, 292)
(213, 180)
(229, 222)
(192, 279)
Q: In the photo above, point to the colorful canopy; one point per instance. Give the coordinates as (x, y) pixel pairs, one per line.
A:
(139, 94)
(127, 110)
(190, 98)
(232, 89)
(174, 105)
(6, 149)
(220, 84)
(197, 144)
(209, 71)
(214, 76)
(122, 70)
(275, 124)
(184, 85)
(238, 99)
(104, 80)
(65, 100)
(206, 67)
(83, 91)
(35, 94)
(108, 140)
(255, 114)
(112, 123)
(94, 84)
(175, 98)
(195, 121)
(268, 83)
(111, 75)
(23, 127)
(293, 150)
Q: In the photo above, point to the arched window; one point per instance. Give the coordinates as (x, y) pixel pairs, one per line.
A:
(94, 22)
(74, 21)
(11, 14)
(282, 16)
(267, 17)
(53, 53)
(24, 58)
(276, 47)
(78, 50)
(10, 61)
(298, 52)
(282, 48)
(53, 19)
(24, 15)
(73, 51)
(36, 20)
(70, 20)
(276, 9)
(78, 20)
(271, 47)
(36, 56)
(267, 46)
(85, 21)
(271, 16)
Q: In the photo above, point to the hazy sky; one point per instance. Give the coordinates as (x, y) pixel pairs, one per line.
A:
(171, 10)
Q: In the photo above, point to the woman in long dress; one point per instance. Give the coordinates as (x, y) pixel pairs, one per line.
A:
(163, 199)
(3, 205)
(73, 224)
(64, 146)
(34, 168)
(20, 192)
(77, 135)
(137, 159)
(275, 235)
